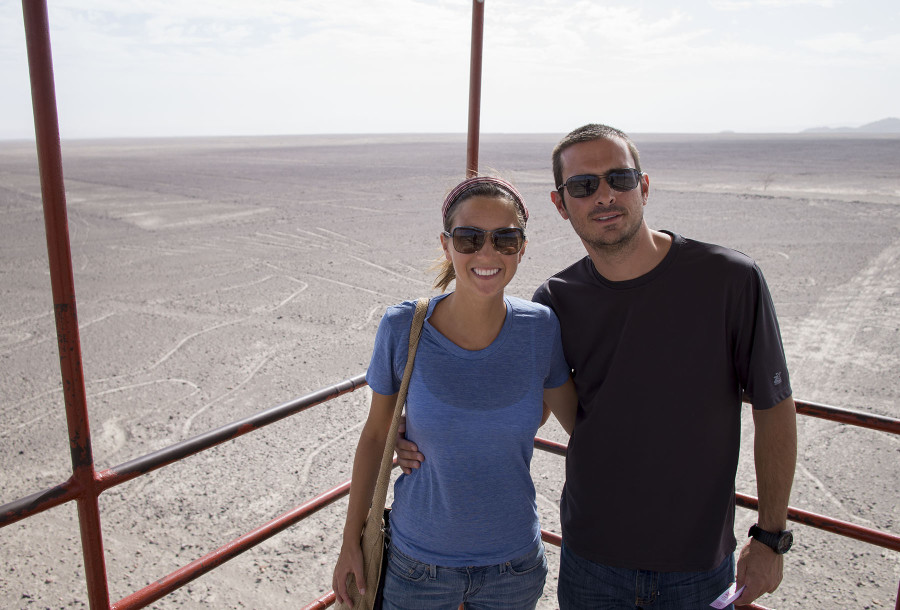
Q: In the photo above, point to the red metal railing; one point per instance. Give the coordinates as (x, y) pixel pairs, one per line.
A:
(86, 484)
(46, 126)
(475, 88)
(67, 491)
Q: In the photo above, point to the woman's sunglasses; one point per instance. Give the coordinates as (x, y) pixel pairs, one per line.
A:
(585, 185)
(468, 240)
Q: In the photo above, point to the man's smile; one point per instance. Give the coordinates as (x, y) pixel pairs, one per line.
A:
(606, 216)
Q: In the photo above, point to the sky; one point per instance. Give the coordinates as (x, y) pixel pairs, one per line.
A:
(154, 68)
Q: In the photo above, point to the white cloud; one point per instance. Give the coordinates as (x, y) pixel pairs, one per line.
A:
(281, 66)
(741, 5)
(853, 43)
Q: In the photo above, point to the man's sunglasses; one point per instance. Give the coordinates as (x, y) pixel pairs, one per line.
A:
(585, 185)
(468, 240)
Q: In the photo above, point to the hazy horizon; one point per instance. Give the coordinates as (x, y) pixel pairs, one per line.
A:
(806, 132)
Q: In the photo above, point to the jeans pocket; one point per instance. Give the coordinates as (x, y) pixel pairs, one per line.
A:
(528, 563)
(407, 568)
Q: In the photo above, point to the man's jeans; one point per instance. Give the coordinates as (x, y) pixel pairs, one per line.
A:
(584, 584)
(513, 585)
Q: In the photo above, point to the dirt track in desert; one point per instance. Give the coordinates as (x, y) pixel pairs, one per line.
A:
(216, 278)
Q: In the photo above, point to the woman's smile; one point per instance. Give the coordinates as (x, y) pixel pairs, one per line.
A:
(486, 272)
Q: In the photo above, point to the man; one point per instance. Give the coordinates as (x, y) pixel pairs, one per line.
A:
(664, 336)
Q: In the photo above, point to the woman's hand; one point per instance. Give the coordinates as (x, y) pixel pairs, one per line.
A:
(350, 561)
(408, 456)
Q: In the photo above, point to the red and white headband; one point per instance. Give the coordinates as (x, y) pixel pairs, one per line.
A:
(469, 183)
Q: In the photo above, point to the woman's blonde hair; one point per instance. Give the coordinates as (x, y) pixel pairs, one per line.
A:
(479, 186)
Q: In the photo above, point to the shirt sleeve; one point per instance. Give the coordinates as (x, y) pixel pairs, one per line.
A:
(759, 353)
(542, 296)
(559, 369)
(382, 372)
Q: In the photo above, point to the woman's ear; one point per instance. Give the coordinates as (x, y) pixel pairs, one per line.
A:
(445, 245)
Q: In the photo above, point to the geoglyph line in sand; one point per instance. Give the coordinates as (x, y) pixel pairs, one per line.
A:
(185, 429)
(303, 243)
(307, 464)
(181, 343)
(388, 271)
(827, 340)
(368, 319)
(346, 285)
(293, 294)
(34, 338)
(316, 236)
(18, 407)
(824, 489)
(827, 335)
(350, 239)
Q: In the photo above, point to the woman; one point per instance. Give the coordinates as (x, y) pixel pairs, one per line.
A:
(464, 526)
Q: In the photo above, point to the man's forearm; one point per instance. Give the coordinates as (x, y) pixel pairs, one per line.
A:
(775, 454)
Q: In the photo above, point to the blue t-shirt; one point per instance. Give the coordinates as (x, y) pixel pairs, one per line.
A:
(473, 414)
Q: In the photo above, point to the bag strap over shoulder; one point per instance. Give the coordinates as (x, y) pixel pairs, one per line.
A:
(384, 473)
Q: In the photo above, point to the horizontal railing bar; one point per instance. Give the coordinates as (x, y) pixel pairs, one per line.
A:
(54, 496)
(152, 461)
(549, 446)
(40, 501)
(849, 416)
(551, 538)
(835, 526)
(326, 601)
(210, 561)
(67, 491)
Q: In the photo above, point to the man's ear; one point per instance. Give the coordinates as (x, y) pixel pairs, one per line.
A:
(559, 201)
(645, 187)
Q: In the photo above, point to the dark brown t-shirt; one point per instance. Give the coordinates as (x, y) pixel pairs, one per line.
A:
(660, 364)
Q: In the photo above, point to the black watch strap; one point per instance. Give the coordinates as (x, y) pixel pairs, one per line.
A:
(779, 542)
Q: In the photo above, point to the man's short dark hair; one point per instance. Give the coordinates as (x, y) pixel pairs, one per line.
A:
(589, 133)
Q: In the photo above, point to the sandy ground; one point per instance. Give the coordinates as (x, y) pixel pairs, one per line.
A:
(217, 278)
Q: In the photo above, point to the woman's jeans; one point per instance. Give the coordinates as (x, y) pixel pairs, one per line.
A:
(584, 584)
(513, 585)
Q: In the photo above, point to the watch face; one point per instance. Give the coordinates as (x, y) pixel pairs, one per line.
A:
(785, 542)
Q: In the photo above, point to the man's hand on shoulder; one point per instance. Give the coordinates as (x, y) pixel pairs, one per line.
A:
(408, 455)
(760, 569)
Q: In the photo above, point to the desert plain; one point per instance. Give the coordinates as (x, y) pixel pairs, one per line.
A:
(219, 277)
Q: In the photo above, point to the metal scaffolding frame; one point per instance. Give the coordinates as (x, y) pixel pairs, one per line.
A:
(86, 483)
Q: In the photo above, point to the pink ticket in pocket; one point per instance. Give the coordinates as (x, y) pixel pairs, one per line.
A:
(727, 597)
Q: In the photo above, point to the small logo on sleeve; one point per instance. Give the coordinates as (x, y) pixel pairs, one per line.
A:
(777, 379)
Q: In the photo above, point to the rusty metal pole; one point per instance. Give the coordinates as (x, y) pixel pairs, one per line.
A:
(475, 88)
(46, 128)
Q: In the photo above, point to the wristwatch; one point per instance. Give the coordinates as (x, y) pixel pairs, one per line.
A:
(780, 542)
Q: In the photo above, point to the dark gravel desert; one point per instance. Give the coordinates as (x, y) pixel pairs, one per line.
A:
(219, 277)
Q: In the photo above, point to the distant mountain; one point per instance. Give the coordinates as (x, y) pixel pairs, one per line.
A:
(890, 125)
